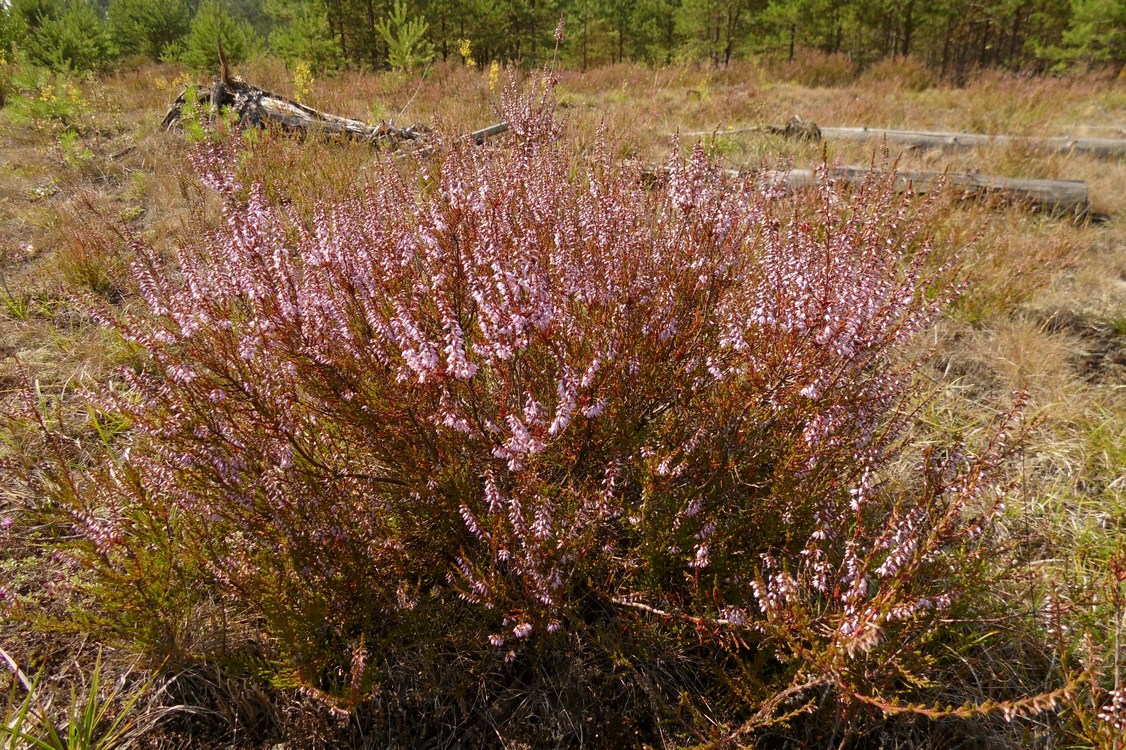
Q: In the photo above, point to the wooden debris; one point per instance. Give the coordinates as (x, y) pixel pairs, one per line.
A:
(1051, 196)
(1103, 148)
(257, 107)
(798, 129)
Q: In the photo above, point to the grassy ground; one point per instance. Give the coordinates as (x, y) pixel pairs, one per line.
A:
(1045, 312)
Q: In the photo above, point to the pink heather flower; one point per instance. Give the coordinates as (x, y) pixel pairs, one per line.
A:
(1114, 712)
(565, 407)
(733, 615)
(521, 442)
(595, 410)
(541, 526)
(522, 630)
(454, 422)
(457, 364)
(497, 639)
(591, 372)
(493, 496)
(470, 520)
(533, 410)
(701, 560)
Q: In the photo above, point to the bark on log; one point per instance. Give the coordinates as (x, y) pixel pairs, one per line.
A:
(1051, 196)
(1103, 148)
(260, 108)
(257, 107)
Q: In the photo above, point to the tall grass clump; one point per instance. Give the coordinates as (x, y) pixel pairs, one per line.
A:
(633, 449)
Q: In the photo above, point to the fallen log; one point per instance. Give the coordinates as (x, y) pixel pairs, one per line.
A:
(257, 107)
(1103, 148)
(1051, 196)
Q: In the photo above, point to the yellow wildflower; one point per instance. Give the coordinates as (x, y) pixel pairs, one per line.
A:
(465, 49)
(494, 75)
(302, 81)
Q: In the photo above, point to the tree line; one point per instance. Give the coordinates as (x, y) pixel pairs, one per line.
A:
(951, 37)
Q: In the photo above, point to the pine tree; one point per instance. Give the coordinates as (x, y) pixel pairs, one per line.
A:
(405, 36)
(74, 38)
(211, 26)
(302, 34)
(148, 27)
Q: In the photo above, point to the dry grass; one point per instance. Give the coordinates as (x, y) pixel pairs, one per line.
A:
(1046, 311)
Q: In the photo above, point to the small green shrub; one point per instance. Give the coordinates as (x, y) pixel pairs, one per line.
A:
(11, 32)
(302, 35)
(75, 38)
(45, 99)
(405, 36)
(92, 262)
(148, 27)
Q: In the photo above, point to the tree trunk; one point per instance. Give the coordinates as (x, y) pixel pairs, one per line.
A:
(1013, 38)
(586, 32)
(371, 31)
(946, 48)
(908, 27)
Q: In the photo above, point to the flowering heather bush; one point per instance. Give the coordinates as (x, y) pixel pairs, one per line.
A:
(552, 400)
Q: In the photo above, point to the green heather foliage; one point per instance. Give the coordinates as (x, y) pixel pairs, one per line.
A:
(514, 419)
(148, 27)
(211, 25)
